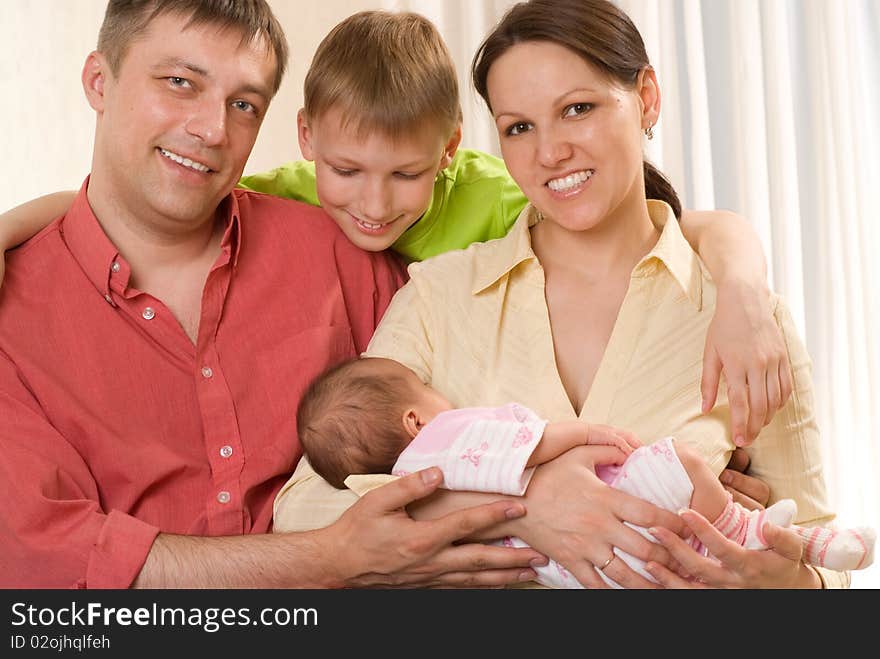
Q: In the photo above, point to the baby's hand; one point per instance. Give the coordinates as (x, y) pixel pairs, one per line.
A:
(611, 436)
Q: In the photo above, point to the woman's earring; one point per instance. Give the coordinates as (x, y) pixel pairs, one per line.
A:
(649, 132)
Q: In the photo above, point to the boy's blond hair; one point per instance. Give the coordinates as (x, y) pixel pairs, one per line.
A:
(388, 72)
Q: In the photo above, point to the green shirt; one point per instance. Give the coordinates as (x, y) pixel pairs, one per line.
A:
(474, 200)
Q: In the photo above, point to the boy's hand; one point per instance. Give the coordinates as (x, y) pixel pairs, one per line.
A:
(379, 545)
(598, 434)
(746, 343)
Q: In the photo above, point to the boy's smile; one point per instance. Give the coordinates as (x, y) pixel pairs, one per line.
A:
(373, 186)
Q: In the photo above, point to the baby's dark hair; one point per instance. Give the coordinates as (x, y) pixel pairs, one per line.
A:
(349, 420)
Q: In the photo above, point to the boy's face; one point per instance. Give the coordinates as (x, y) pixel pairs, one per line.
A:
(374, 187)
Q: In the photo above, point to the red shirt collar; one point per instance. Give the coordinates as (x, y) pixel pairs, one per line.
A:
(100, 260)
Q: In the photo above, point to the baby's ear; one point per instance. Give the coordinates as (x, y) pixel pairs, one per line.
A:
(412, 423)
(451, 148)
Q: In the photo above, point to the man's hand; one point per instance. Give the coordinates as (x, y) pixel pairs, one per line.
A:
(747, 490)
(379, 545)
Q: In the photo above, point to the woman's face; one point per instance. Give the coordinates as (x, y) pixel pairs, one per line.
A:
(571, 138)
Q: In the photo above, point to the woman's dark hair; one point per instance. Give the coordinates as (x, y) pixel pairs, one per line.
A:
(596, 30)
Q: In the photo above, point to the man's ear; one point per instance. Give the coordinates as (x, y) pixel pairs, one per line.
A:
(412, 423)
(304, 134)
(451, 147)
(94, 77)
(649, 93)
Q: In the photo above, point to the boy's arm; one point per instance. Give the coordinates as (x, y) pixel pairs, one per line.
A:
(28, 219)
(561, 436)
(293, 180)
(743, 340)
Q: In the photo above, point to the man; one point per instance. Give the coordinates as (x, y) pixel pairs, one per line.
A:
(154, 342)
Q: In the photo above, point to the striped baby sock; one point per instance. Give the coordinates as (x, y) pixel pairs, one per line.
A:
(838, 549)
(835, 549)
(745, 527)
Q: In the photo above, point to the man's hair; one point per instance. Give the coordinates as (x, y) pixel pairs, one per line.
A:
(350, 421)
(388, 72)
(126, 20)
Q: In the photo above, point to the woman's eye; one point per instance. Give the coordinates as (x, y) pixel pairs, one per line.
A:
(576, 109)
(518, 128)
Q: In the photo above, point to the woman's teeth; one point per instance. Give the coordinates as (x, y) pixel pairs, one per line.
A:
(568, 182)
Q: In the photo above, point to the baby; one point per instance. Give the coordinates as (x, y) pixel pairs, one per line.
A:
(373, 415)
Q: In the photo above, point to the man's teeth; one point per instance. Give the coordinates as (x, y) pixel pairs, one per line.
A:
(186, 162)
(570, 181)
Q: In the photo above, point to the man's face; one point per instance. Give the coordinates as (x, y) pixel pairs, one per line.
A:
(177, 124)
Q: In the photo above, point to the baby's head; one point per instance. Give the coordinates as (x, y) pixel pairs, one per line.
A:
(357, 417)
(382, 117)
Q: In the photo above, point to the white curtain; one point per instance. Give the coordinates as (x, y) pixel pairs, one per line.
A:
(769, 109)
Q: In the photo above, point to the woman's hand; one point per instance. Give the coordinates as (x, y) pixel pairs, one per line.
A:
(578, 520)
(736, 567)
(745, 343)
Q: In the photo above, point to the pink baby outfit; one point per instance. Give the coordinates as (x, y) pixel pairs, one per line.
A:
(485, 449)
(479, 449)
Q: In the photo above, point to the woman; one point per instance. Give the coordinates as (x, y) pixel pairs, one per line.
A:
(594, 306)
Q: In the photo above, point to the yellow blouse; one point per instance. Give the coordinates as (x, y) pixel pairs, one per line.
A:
(474, 324)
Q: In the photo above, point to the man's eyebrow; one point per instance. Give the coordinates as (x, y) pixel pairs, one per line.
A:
(176, 62)
(180, 63)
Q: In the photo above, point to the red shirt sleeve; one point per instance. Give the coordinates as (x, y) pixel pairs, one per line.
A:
(52, 527)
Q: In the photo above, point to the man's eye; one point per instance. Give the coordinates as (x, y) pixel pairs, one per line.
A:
(177, 81)
(244, 106)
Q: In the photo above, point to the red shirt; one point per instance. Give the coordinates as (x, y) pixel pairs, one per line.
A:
(116, 427)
